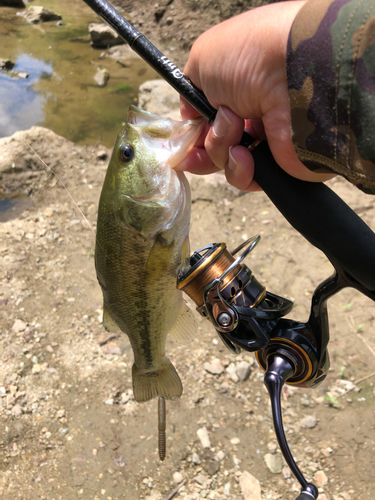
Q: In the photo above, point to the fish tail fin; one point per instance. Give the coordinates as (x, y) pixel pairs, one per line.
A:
(164, 382)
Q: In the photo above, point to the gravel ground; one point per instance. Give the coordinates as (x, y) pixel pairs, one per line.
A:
(69, 425)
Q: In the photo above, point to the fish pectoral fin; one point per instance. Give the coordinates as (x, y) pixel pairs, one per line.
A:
(159, 260)
(164, 382)
(185, 326)
(108, 322)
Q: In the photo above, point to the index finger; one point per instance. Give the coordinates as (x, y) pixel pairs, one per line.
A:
(187, 111)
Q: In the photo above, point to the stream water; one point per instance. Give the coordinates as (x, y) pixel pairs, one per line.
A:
(60, 92)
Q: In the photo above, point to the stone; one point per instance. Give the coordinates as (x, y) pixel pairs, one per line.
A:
(274, 463)
(214, 367)
(226, 489)
(204, 438)
(157, 96)
(101, 77)
(103, 36)
(235, 440)
(250, 487)
(123, 55)
(37, 14)
(18, 326)
(243, 370)
(286, 472)
(177, 477)
(195, 459)
(320, 479)
(6, 64)
(211, 466)
(12, 3)
(17, 410)
(37, 368)
(204, 481)
(102, 155)
(220, 455)
(309, 422)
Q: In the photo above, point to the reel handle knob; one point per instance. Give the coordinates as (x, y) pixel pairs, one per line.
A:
(279, 370)
(310, 493)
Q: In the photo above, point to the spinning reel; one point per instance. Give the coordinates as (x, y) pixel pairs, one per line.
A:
(247, 316)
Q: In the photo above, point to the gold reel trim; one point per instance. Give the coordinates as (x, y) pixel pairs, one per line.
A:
(278, 340)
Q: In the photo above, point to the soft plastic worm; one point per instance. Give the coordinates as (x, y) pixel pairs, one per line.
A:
(161, 428)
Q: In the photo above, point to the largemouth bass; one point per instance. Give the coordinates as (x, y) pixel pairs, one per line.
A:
(142, 241)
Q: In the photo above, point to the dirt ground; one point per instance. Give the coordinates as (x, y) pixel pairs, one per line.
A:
(69, 427)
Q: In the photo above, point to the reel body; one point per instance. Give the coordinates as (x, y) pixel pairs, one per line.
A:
(247, 316)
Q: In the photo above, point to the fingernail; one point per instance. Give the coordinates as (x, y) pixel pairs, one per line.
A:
(221, 124)
(232, 164)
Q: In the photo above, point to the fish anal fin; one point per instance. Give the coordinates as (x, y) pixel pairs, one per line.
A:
(108, 322)
(164, 382)
(184, 328)
(159, 259)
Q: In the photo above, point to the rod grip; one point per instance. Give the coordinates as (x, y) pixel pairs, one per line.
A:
(321, 216)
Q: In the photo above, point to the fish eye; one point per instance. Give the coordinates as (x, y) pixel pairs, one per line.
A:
(126, 152)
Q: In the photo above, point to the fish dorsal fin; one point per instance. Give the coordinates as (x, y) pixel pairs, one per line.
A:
(185, 326)
(108, 322)
(159, 259)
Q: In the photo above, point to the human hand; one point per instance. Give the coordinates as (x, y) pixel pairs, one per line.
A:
(240, 65)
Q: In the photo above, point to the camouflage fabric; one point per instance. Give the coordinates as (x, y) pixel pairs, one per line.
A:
(331, 79)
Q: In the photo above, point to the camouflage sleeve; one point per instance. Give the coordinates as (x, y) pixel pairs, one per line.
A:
(331, 79)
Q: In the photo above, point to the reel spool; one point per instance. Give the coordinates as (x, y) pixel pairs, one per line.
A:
(228, 294)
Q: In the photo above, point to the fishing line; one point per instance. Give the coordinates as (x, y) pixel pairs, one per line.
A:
(62, 184)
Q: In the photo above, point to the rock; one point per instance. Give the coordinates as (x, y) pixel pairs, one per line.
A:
(309, 422)
(202, 480)
(215, 367)
(6, 64)
(226, 489)
(159, 13)
(286, 472)
(37, 368)
(103, 36)
(17, 410)
(157, 96)
(274, 463)
(235, 440)
(102, 155)
(101, 77)
(320, 479)
(220, 455)
(113, 348)
(202, 433)
(123, 54)
(211, 466)
(243, 370)
(250, 487)
(38, 14)
(195, 459)
(177, 477)
(19, 326)
(12, 3)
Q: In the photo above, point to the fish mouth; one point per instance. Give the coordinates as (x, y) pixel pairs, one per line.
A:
(175, 138)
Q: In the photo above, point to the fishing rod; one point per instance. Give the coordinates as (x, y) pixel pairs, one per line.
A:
(246, 315)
